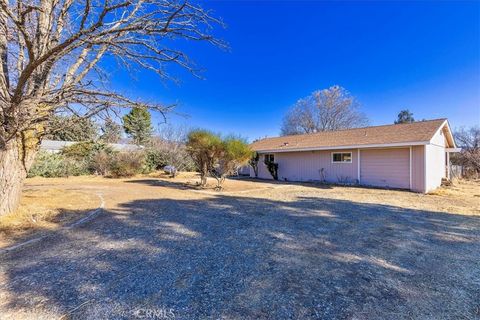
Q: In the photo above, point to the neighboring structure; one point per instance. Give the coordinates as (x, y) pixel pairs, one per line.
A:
(244, 170)
(55, 146)
(411, 156)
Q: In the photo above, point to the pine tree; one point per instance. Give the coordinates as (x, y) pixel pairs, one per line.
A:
(138, 125)
(404, 116)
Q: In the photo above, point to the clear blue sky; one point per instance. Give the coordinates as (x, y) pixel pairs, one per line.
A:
(424, 56)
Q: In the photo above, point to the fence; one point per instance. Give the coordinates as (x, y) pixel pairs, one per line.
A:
(456, 171)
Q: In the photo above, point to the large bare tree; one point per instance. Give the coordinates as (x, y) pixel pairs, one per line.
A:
(50, 58)
(329, 109)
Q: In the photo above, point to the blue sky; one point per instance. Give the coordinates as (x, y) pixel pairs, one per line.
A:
(424, 56)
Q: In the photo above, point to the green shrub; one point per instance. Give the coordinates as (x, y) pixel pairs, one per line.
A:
(88, 158)
(272, 168)
(85, 150)
(94, 155)
(126, 164)
(154, 160)
(51, 165)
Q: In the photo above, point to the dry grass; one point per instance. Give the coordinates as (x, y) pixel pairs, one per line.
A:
(48, 203)
(45, 209)
(462, 198)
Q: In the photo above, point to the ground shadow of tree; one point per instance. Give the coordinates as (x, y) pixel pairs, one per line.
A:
(182, 185)
(246, 257)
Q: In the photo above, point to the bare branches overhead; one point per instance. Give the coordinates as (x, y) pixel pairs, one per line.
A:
(50, 53)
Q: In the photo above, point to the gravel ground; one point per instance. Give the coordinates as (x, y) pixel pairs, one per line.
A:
(161, 251)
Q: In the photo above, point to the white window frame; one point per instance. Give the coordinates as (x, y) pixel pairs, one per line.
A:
(350, 153)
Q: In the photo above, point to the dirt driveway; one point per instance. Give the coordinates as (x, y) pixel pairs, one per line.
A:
(162, 250)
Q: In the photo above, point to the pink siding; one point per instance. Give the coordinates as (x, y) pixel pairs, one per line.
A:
(262, 170)
(436, 162)
(388, 167)
(418, 168)
(307, 165)
(385, 167)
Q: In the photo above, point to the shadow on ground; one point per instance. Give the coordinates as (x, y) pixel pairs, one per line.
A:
(241, 257)
(270, 183)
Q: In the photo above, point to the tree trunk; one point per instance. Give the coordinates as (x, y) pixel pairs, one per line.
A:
(15, 160)
(203, 174)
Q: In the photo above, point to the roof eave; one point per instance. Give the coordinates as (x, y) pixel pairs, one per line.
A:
(378, 145)
(450, 138)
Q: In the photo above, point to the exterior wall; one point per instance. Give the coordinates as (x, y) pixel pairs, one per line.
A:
(439, 139)
(307, 166)
(427, 169)
(385, 167)
(418, 168)
(262, 170)
(435, 159)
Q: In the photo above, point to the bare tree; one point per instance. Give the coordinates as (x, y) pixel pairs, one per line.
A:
(49, 62)
(469, 157)
(171, 147)
(324, 110)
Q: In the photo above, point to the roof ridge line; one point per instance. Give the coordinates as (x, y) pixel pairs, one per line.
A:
(358, 128)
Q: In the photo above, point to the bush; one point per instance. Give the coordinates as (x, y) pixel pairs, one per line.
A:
(100, 163)
(52, 165)
(85, 150)
(126, 164)
(272, 168)
(95, 155)
(89, 158)
(154, 160)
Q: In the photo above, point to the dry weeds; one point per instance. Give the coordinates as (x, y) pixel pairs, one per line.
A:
(49, 203)
(44, 209)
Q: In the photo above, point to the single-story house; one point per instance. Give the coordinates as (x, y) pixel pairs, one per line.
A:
(55, 146)
(411, 156)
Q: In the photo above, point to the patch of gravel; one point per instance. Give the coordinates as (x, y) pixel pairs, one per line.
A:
(279, 253)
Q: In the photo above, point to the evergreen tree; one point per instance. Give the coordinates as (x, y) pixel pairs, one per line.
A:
(138, 125)
(404, 116)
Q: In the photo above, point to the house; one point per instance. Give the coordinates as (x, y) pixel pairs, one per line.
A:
(411, 156)
(55, 146)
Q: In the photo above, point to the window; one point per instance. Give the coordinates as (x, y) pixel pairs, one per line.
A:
(342, 157)
(269, 158)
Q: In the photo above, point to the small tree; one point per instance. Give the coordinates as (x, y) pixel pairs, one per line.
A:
(234, 154)
(404, 116)
(111, 131)
(71, 128)
(254, 163)
(205, 148)
(138, 125)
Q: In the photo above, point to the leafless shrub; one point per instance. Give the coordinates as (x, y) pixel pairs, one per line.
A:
(170, 149)
(125, 164)
(100, 162)
(469, 157)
